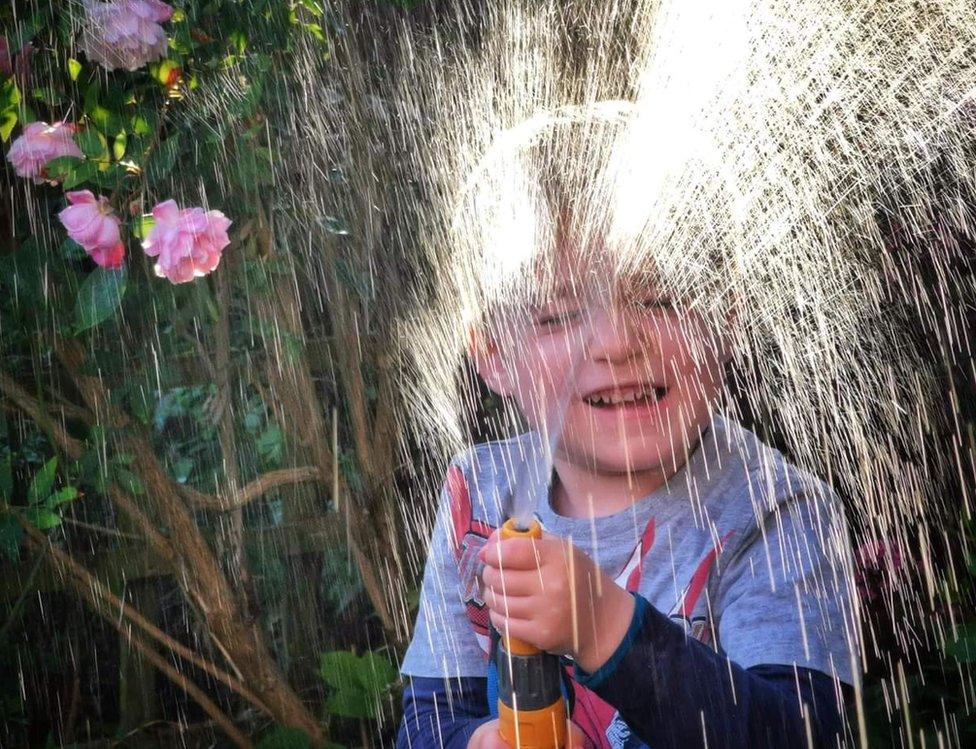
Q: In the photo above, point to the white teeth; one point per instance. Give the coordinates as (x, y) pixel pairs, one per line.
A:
(630, 396)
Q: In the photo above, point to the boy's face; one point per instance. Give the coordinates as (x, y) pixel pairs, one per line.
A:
(630, 379)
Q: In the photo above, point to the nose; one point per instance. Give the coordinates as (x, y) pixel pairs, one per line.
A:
(613, 338)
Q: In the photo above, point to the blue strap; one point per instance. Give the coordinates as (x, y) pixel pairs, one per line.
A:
(493, 673)
(493, 689)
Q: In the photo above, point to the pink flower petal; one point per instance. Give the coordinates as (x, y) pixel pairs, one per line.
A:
(187, 243)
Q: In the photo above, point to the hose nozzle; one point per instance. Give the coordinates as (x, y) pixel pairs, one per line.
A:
(531, 709)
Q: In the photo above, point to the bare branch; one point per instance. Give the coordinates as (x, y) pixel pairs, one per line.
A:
(110, 606)
(100, 529)
(254, 489)
(73, 449)
(209, 706)
(33, 408)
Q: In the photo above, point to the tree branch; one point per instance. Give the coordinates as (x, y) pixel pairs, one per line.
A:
(73, 449)
(254, 489)
(110, 606)
(31, 406)
(195, 567)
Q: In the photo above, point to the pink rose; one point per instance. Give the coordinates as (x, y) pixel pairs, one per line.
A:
(91, 223)
(187, 243)
(125, 33)
(38, 144)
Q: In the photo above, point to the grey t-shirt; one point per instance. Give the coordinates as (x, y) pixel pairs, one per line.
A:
(745, 551)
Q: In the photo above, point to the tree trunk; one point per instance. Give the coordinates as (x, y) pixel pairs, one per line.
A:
(199, 575)
(195, 566)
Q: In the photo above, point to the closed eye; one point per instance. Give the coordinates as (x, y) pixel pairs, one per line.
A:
(556, 319)
(656, 303)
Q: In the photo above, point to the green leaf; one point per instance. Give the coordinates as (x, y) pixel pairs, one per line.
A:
(68, 494)
(108, 179)
(270, 444)
(239, 40)
(162, 160)
(74, 68)
(118, 146)
(314, 6)
(71, 250)
(43, 518)
(142, 225)
(9, 94)
(281, 737)
(10, 535)
(141, 125)
(91, 143)
(9, 110)
(89, 470)
(48, 94)
(350, 703)
(108, 121)
(7, 477)
(42, 483)
(315, 30)
(338, 668)
(86, 171)
(99, 297)
(8, 121)
(357, 682)
(62, 167)
(376, 673)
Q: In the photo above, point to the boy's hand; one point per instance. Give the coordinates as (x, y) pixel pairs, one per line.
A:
(486, 736)
(549, 594)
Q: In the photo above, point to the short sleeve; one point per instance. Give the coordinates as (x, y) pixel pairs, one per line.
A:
(785, 597)
(444, 643)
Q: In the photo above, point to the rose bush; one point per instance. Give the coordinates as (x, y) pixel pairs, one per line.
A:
(158, 386)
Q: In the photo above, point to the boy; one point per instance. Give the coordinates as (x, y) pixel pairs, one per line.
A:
(694, 580)
(693, 576)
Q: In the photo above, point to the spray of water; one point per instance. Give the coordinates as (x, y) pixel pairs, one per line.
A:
(524, 498)
(798, 173)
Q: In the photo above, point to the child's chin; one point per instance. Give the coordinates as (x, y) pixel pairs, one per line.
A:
(621, 459)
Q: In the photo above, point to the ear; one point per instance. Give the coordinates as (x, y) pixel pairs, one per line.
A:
(491, 366)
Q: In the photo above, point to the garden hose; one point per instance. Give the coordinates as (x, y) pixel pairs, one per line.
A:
(531, 708)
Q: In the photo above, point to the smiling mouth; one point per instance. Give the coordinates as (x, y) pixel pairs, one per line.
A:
(637, 395)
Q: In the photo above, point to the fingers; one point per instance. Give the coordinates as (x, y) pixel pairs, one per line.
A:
(520, 629)
(514, 607)
(486, 736)
(510, 582)
(511, 554)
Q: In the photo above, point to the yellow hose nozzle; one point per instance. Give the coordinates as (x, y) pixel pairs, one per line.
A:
(531, 708)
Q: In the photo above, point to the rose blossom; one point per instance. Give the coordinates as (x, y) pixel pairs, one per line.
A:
(38, 144)
(125, 33)
(91, 223)
(186, 242)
